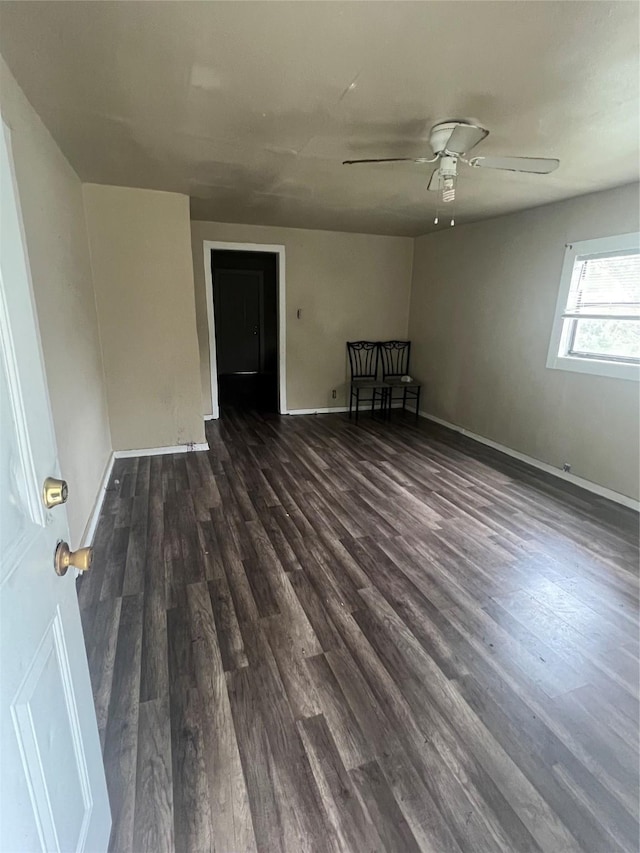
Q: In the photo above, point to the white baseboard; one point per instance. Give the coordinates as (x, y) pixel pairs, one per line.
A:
(321, 411)
(159, 451)
(92, 523)
(209, 417)
(335, 409)
(542, 466)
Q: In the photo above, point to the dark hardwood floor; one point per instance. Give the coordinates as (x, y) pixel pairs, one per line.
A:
(326, 637)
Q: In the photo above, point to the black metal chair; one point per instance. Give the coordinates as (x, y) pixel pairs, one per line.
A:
(395, 356)
(363, 360)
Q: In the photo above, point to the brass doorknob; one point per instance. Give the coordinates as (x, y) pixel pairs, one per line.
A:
(54, 492)
(80, 559)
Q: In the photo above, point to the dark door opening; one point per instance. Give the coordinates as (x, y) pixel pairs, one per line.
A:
(245, 305)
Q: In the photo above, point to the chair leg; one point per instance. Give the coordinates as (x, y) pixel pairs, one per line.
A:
(418, 404)
(357, 402)
(350, 400)
(404, 399)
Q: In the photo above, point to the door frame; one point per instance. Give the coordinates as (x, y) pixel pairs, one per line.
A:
(208, 247)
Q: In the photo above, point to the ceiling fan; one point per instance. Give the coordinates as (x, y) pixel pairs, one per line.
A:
(450, 140)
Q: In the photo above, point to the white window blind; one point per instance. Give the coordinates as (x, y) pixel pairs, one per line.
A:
(605, 288)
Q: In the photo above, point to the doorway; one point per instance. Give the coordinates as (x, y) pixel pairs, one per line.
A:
(245, 306)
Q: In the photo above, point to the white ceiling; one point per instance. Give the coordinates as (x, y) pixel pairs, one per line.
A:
(250, 107)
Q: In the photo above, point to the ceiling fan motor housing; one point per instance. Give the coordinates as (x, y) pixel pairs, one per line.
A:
(441, 134)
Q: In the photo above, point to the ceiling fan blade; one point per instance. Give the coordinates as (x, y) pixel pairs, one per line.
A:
(388, 160)
(434, 183)
(536, 165)
(465, 137)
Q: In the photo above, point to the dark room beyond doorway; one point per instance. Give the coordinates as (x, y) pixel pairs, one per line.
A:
(245, 300)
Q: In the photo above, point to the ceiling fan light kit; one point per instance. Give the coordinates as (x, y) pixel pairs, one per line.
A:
(450, 141)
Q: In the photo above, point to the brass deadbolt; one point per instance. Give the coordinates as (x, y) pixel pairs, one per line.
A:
(54, 492)
(80, 559)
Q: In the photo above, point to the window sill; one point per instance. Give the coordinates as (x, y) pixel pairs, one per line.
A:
(613, 369)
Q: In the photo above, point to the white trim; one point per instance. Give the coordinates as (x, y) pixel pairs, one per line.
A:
(558, 342)
(588, 485)
(335, 409)
(92, 523)
(613, 369)
(159, 451)
(320, 411)
(210, 417)
(208, 246)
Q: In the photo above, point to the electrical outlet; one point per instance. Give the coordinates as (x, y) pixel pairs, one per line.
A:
(566, 467)
(333, 393)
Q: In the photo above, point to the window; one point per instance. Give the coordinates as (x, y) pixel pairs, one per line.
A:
(597, 322)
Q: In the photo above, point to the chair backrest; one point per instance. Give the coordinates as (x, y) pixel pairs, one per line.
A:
(363, 359)
(395, 358)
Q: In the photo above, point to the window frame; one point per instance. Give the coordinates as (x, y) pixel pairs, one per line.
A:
(561, 332)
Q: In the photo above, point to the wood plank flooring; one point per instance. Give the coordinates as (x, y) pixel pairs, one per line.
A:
(327, 637)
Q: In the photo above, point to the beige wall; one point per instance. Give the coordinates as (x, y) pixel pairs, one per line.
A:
(349, 286)
(51, 201)
(483, 302)
(141, 259)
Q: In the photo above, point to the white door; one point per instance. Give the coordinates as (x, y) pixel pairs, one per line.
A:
(53, 794)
